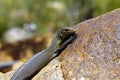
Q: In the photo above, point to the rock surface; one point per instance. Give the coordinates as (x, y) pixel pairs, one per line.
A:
(94, 54)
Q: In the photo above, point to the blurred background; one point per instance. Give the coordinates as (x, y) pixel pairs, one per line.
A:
(27, 26)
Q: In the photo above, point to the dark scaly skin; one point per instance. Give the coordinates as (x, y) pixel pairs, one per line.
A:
(29, 69)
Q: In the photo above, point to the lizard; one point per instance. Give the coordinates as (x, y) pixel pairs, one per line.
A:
(30, 68)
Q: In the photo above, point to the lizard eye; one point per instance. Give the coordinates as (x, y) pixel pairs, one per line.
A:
(63, 31)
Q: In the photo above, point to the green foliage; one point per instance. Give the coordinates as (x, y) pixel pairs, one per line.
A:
(102, 6)
(51, 14)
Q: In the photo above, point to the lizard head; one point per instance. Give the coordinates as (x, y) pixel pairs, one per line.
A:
(62, 38)
(64, 34)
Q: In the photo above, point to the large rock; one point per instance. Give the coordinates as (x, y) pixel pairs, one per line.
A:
(94, 54)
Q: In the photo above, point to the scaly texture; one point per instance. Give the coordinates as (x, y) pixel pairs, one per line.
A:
(30, 68)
